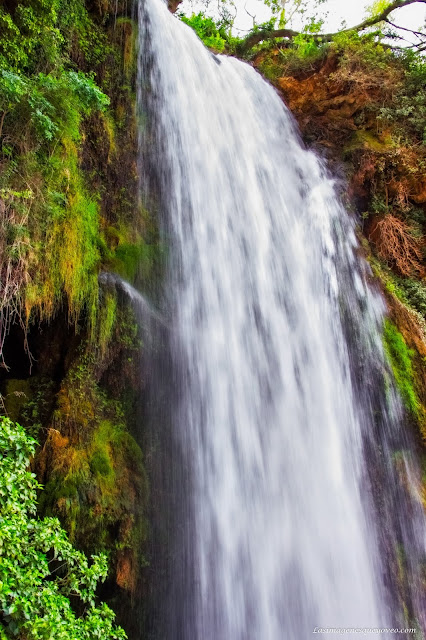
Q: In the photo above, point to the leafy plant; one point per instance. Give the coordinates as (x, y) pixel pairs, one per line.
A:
(415, 293)
(30, 36)
(210, 32)
(40, 571)
(45, 101)
(377, 7)
(407, 111)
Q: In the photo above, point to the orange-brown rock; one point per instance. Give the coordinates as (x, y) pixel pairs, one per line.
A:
(173, 5)
(54, 449)
(126, 573)
(337, 103)
(322, 102)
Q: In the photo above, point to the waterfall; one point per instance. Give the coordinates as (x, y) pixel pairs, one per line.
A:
(146, 315)
(281, 427)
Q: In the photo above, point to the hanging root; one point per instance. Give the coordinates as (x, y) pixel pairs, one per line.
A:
(396, 245)
(14, 252)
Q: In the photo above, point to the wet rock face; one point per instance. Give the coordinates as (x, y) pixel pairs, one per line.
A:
(337, 105)
(114, 7)
(320, 104)
(173, 5)
(325, 103)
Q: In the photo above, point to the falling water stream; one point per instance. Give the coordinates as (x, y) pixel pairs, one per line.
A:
(281, 431)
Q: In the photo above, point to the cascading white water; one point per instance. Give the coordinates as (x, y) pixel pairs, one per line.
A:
(145, 313)
(279, 535)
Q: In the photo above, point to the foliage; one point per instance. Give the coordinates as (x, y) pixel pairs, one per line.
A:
(401, 361)
(377, 7)
(30, 36)
(67, 173)
(301, 58)
(387, 150)
(39, 400)
(49, 105)
(361, 56)
(49, 224)
(409, 291)
(407, 110)
(40, 34)
(210, 32)
(305, 46)
(85, 42)
(415, 294)
(299, 10)
(309, 19)
(357, 54)
(40, 571)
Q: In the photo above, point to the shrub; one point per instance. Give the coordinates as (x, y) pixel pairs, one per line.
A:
(40, 571)
(207, 30)
(407, 111)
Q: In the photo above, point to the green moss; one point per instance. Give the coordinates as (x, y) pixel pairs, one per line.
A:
(131, 260)
(410, 292)
(18, 393)
(135, 254)
(366, 140)
(276, 63)
(96, 484)
(69, 187)
(100, 464)
(95, 477)
(52, 223)
(127, 30)
(67, 234)
(56, 237)
(401, 360)
(271, 66)
(106, 320)
(109, 127)
(127, 258)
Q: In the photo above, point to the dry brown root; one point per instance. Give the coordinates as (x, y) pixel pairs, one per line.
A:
(396, 244)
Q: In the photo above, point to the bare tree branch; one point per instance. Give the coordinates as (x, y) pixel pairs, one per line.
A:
(248, 13)
(419, 34)
(268, 34)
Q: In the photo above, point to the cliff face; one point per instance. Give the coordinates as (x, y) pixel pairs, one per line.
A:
(338, 102)
(69, 209)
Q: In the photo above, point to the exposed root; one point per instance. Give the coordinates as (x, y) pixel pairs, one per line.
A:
(396, 245)
(15, 250)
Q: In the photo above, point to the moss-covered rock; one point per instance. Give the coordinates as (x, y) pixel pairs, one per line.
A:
(90, 463)
(401, 360)
(18, 394)
(69, 209)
